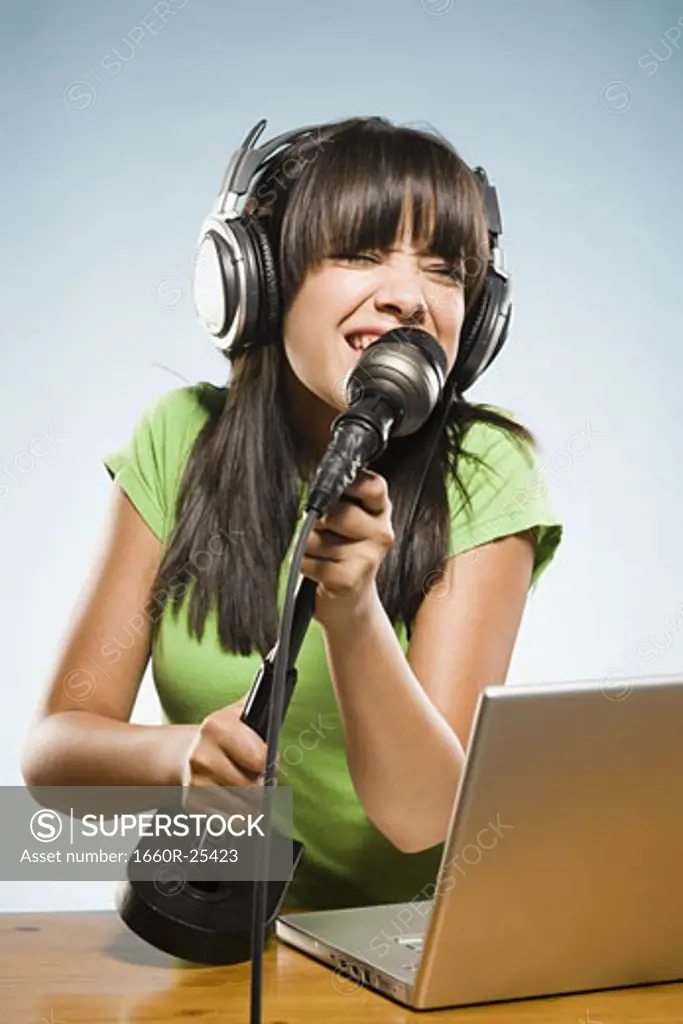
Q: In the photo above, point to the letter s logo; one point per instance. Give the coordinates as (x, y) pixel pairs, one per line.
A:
(45, 826)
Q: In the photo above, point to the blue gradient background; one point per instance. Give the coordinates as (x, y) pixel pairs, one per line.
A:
(105, 180)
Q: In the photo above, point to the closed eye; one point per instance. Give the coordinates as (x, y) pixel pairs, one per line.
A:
(450, 271)
(445, 267)
(447, 270)
(355, 256)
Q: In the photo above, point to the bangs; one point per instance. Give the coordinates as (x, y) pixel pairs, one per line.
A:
(365, 184)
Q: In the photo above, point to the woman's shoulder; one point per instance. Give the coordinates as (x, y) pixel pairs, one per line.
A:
(488, 450)
(150, 462)
(504, 478)
(186, 406)
(176, 418)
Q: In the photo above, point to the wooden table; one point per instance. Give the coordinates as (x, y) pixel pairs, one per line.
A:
(87, 968)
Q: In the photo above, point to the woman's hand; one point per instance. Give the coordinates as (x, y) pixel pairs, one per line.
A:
(347, 546)
(224, 752)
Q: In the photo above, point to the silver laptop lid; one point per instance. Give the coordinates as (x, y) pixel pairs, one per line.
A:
(563, 869)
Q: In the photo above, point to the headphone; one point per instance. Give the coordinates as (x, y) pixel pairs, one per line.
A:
(235, 281)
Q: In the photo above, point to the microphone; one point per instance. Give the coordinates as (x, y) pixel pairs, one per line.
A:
(392, 390)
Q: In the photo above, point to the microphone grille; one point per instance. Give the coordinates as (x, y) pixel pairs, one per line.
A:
(407, 366)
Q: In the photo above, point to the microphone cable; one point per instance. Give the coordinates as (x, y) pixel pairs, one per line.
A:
(275, 716)
(322, 495)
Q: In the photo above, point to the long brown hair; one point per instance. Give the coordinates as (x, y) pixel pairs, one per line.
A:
(241, 480)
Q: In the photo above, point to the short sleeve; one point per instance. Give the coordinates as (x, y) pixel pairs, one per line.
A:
(147, 467)
(508, 494)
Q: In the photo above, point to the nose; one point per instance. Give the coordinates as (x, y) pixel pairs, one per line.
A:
(399, 292)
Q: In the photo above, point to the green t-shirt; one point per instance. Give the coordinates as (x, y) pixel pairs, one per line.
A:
(347, 861)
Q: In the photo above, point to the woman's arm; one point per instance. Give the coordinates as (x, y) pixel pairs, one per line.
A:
(80, 734)
(407, 720)
(78, 748)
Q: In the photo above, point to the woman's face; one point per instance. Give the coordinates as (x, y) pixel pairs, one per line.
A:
(371, 293)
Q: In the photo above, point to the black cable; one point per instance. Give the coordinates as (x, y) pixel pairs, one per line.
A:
(275, 715)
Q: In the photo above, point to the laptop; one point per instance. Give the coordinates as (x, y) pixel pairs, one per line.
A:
(563, 868)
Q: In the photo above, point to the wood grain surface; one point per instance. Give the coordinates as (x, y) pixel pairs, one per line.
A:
(87, 968)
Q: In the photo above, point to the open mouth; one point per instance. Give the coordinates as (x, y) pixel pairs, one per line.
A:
(359, 340)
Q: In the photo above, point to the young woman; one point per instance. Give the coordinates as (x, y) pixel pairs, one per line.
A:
(381, 227)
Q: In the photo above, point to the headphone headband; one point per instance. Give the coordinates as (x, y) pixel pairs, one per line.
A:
(236, 286)
(246, 162)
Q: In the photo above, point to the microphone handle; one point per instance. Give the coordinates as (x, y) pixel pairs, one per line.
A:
(359, 435)
(255, 711)
(357, 439)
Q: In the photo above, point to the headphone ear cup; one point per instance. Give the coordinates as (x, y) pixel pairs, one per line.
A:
(239, 295)
(270, 301)
(484, 331)
(240, 285)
